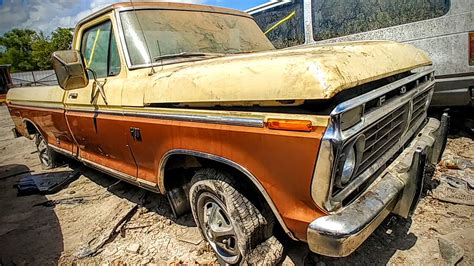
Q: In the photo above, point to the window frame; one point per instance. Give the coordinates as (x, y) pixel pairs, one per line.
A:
(123, 43)
(112, 33)
(281, 5)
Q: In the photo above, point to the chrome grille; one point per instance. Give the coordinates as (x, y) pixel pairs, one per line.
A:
(419, 106)
(384, 132)
(382, 136)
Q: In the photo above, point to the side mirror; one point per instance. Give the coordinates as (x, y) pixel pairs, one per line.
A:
(70, 69)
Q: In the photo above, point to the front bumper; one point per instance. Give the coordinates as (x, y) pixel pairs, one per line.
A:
(397, 190)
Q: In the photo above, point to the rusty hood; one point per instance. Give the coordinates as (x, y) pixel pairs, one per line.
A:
(267, 78)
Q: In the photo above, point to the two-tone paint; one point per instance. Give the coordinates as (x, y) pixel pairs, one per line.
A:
(280, 164)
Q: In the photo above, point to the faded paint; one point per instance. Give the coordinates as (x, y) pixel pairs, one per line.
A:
(282, 161)
(266, 77)
(282, 75)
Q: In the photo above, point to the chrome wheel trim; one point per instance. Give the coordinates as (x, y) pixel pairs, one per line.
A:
(43, 151)
(217, 227)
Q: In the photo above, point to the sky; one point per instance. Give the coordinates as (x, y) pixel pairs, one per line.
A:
(47, 15)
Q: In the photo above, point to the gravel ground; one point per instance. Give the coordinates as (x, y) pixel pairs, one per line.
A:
(97, 219)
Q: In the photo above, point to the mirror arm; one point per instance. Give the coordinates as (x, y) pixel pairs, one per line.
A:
(99, 85)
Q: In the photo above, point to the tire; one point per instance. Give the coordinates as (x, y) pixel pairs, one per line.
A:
(238, 231)
(47, 156)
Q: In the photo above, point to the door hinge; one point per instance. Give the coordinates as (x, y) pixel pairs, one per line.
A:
(136, 134)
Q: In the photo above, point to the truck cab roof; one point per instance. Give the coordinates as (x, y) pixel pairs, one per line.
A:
(160, 5)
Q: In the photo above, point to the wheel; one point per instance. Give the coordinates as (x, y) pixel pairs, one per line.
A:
(46, 155)
(237, 231)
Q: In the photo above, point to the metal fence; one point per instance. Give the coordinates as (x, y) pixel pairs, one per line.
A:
(34, 78)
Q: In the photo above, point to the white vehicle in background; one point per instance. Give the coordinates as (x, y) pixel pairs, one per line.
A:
(443, 28)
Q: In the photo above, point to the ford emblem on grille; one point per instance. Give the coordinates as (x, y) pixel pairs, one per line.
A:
(381, 100)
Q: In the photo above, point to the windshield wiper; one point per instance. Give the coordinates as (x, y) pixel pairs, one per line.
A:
(186, 54)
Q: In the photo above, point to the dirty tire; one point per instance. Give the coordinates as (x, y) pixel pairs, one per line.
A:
(46, 155)
(252, 227)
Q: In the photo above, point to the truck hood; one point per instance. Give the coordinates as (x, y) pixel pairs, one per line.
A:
(317, 72)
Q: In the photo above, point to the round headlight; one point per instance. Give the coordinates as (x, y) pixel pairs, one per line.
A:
(348, 167)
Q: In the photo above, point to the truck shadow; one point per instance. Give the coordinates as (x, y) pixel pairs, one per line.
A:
(152, 202)
(28, 234)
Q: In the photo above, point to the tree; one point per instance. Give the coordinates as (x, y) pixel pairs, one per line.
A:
(41, 53)
(61, 38)
(27, 50)
(17, 49)
(43, 47)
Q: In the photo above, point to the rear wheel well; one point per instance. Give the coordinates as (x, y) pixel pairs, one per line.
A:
(180, 168)
(31, 128)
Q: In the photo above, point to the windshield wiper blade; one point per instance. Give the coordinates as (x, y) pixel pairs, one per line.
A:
(184, 55)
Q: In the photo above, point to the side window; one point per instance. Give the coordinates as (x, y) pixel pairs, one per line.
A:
(100, 51)
(336, 18)
(283, 24)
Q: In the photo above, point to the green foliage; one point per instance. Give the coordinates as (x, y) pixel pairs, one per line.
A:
(27, 50)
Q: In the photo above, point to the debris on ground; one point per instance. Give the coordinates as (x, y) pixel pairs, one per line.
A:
(192, 236)
(133, 248)
(456, 164)
(97, 220)
(45, 183)
(450, 252)
(454, 190)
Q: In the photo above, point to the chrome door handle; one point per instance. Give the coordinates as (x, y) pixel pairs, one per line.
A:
(73, 95)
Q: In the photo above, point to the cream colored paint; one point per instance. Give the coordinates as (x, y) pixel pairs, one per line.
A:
(292, 74)
(113, 85)
(261, 78)
(48, 96)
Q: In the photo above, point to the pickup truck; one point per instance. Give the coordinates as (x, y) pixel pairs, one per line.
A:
(194, 102)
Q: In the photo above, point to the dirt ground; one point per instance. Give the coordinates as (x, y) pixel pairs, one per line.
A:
(97, 219)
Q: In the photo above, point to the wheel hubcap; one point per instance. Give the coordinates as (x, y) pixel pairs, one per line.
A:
(43, 152)
(218, 228)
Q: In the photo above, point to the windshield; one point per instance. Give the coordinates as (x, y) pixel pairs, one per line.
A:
(173, 32)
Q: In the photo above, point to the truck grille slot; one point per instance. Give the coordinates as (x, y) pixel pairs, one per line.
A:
(382, 136)
(419, 107)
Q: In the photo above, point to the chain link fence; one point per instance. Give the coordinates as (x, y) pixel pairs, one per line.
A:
(34, 78)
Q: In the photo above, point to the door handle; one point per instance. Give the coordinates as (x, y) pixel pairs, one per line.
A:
(136, 134)
(73, 95)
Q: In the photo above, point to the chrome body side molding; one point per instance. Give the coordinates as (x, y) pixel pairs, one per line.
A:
(230, 163)
(112, 172)
(179, 115)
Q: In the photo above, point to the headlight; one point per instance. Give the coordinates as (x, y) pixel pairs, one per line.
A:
(347, 167)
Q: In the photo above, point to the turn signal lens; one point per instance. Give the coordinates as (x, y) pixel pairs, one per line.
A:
(291, 125)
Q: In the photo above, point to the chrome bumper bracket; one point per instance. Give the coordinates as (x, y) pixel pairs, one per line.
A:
(420, 157)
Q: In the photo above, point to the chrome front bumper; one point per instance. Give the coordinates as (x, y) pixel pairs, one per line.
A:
(397, 190)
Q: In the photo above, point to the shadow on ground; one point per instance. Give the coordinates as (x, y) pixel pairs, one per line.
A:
(153, 202)
(21, 240)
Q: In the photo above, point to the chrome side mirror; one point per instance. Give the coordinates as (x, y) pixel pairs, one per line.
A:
(70, 69)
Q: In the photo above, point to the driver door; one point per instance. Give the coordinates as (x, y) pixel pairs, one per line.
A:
(95, 119)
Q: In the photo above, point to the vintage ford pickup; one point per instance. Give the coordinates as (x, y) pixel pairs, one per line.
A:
(194, 102)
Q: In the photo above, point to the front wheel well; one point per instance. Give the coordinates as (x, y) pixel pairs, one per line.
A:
(179, 169)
